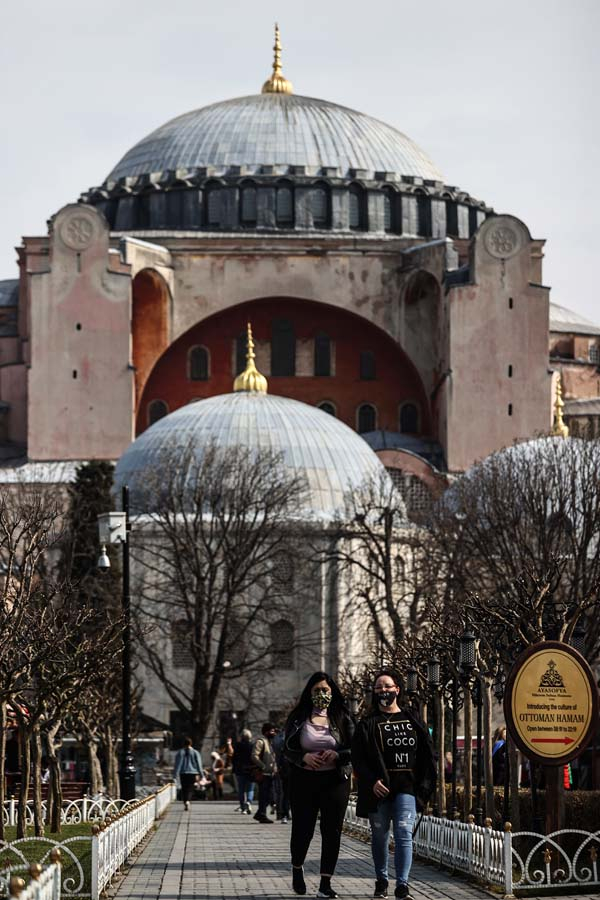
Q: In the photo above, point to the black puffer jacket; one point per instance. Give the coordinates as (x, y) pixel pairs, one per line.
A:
(293, 752)
(369, 765)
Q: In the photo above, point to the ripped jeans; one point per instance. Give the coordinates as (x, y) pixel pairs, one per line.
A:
(401, 811)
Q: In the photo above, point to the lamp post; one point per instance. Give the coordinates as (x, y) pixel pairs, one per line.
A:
(434, 683)
(499, 686)
(412, 684)
(114, 528)
(467, 662)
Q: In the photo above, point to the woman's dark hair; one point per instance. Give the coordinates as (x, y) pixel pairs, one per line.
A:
(396, 678)
(187, 742)
(337, 710)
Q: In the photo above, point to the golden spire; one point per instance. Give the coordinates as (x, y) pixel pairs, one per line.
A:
(559, 429)
(250, 379)
(277, 84)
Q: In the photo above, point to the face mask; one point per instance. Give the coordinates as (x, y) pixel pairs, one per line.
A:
(386, 698)
(321, 699)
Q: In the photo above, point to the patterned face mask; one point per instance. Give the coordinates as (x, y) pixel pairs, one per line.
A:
(386, 698)
(321, 699)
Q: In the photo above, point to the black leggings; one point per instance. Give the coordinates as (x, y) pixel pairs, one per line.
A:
(187, 785)
(312, 793)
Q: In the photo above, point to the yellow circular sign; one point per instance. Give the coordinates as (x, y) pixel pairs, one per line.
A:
(552, 702)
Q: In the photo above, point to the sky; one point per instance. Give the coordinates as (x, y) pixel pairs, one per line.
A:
(502, 96)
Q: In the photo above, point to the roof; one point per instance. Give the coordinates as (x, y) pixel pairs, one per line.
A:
(326, 453)
(568, 322)
(279, 130)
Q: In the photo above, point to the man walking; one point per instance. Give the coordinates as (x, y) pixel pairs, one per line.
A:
(263, 759)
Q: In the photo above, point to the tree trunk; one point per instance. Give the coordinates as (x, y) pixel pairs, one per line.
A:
(36, 754)
(3, 723)
(468, 753)
(94, 767)
(441, 762)
(487, 748)
(515, 813)
(55, 799)
(112, 764)
(25, 776)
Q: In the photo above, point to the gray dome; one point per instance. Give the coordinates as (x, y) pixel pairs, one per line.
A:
(330, 456)
(276, 130)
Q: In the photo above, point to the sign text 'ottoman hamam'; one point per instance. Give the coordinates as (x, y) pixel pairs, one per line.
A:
(551, 703)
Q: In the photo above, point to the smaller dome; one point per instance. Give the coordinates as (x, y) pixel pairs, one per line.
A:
(315, 446)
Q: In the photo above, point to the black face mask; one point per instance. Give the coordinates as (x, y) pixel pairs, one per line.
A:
(386, 698)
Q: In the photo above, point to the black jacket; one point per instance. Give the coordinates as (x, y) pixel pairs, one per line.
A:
(293, 752)
(369, 766)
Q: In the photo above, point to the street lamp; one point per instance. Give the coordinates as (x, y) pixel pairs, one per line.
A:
(434, 681)
(467, 652)
(114, 528)
(412, 681)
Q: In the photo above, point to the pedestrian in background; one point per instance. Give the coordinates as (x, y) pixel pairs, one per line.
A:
(217, 775)
(188, 768)
(393, 759)
(263, 760)
(242, 769)
(318, 736)
(281, 783)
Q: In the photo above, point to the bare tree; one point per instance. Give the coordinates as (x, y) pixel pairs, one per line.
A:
(212, 560)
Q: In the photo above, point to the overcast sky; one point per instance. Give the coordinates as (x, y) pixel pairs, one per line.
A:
(503, 96)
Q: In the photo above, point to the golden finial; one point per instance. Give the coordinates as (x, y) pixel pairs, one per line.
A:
(277, 84)
(250, 379)
(559, 429)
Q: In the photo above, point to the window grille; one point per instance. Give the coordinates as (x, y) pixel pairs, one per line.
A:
(249, 206)
(319, 207)
(181, 650)
(213, 208)
(285, 206)
(282, 644)
(595, 354)
(199, 364)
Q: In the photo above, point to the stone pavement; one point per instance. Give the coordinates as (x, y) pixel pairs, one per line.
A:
(214, 853)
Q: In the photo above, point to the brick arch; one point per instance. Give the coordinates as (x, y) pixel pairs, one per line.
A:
(149, 324)
(397, 379)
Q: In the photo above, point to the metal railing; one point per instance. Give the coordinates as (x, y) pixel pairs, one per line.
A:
(44, 884)
(523, 861)
(114, 840)
(73, 812)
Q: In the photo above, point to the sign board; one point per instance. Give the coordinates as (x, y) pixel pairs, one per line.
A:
(551, 703)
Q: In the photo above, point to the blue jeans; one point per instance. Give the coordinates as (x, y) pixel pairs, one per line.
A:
(245, 790)
(401, 811)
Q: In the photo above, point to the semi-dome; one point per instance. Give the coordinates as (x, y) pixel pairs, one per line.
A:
(331, 457)
(276, 129)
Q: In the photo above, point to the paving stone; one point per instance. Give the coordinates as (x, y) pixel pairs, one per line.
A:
(214, 853)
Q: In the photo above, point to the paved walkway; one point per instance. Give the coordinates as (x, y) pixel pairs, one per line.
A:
(214, 853)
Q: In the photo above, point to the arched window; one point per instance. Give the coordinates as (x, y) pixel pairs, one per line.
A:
(241, 348)
(357, 208)
(181, 648)
(367, 365)
(284, 207)
(212, 206)
(409, 419)
(282, 644)
(283, 348)
(322, 354)
(367, 418)
(282, 571)
(328, 407)
(319, 205)
(157, 409)
(199, 364)
(248, 206)
(391, 202)
(423, 214)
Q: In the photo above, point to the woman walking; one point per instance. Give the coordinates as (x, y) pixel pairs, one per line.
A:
(393, 759)
(188, 767)
(318, 736)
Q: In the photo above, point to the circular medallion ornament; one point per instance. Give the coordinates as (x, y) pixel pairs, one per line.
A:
(551, 703)
(77, 232)
(502, 241)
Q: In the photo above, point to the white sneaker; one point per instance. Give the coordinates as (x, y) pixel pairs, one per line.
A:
(186, 805)
(284, 820)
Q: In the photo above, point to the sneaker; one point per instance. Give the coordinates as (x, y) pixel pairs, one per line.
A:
(283, 820)
(238, 809)
(298, 882)
(249, 808)
(263, 820)
(381, 889)
(326, 892)
(186, 805)
(402, 892)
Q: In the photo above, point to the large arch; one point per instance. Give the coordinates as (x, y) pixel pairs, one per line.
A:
(396, 380)
(149, 324)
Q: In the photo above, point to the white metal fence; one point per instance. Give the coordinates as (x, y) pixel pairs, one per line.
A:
(523, 861)
(113, 839)
(43, 886)
(73, 812)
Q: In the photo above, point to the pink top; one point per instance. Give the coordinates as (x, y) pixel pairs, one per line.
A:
(315, 739)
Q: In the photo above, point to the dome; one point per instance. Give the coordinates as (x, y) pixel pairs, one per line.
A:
(280, 130)
(330, 456)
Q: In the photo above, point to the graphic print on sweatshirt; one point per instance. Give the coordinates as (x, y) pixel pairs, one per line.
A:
(398, 740)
